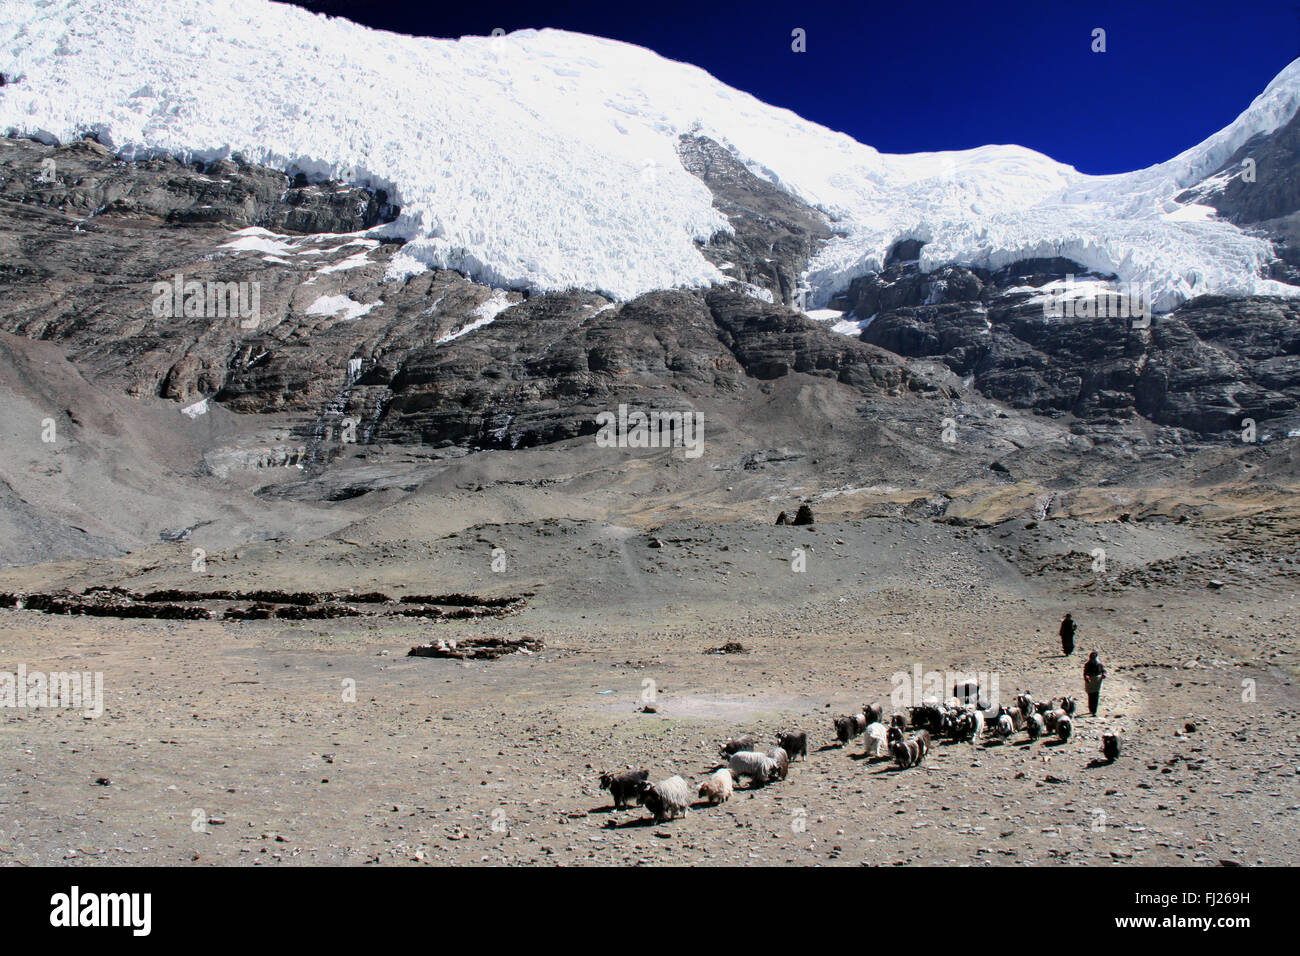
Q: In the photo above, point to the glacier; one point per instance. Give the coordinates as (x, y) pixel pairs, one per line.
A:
(547, 160)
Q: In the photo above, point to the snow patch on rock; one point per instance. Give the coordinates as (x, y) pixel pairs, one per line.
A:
(340, 306)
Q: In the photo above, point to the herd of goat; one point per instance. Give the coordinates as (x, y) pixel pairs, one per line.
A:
(960, 718)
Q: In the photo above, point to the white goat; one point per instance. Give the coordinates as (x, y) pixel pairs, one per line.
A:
(876, 740)
(666, 799)
(759, 768)
(717, 787)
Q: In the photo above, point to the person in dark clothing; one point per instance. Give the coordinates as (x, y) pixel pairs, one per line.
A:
(1094, 672)
(1067, 636)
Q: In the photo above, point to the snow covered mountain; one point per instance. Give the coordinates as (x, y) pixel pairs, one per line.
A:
(549, 160)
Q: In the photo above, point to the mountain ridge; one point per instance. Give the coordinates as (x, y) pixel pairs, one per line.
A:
(588, 190)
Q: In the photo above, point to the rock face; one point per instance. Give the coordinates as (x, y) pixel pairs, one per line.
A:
(544, 368)
(1259, 185)
(775, 233)
(84, 178)
(1196, 372)
(433, 359)
(348, 354)
(1259, 182)
(1217, 360)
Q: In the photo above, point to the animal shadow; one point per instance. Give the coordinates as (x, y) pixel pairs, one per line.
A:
(629, 824)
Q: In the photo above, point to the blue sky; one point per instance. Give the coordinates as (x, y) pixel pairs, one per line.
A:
(905, 76)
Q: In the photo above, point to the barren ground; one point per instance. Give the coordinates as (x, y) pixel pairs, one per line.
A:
(247, 723)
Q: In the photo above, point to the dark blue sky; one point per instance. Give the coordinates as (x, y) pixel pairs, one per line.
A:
(905, 75)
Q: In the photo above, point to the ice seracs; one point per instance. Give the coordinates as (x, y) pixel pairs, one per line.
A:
(548, 160)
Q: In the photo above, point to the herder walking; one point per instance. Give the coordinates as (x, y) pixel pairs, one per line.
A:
(1067, 636)
(1094, 672)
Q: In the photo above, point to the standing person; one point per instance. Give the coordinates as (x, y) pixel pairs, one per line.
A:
(1067, 636)
(1094, 672)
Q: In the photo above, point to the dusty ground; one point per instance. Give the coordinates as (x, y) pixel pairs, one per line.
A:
(440, 761)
